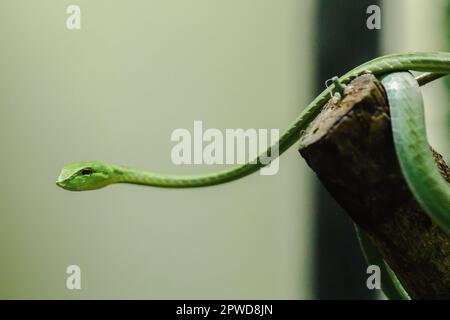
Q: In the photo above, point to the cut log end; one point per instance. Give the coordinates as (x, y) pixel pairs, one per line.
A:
(350, 147)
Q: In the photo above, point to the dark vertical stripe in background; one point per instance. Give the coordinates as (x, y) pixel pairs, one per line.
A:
(343, 42)
(447, 26)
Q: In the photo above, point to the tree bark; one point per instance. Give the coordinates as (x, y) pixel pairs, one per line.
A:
(351, 149)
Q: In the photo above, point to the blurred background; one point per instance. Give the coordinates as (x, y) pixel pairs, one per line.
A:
(116, 89)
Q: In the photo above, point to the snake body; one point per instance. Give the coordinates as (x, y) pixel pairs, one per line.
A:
(412, 148)
(89, 175)
(406, 107)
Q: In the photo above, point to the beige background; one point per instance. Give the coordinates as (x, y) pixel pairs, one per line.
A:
(114, 91)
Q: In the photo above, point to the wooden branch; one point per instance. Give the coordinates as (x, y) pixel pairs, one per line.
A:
(351, 149)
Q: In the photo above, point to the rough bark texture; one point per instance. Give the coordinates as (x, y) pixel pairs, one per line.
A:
(351, 149)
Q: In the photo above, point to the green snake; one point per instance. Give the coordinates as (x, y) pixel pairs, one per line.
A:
(406, 105)
(89, 175)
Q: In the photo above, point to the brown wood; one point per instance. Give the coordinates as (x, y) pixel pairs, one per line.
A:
(350, 147)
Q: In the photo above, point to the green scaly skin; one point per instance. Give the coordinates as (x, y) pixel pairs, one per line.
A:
(429, 188)
(99, 175)
(406, 106)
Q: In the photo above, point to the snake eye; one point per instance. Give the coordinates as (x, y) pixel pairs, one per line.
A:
(86, 171)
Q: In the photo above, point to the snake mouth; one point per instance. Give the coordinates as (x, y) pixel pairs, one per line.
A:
(62, 181)
(67, 186)
(61, 184)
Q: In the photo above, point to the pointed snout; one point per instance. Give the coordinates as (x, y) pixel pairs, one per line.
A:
(60, 183)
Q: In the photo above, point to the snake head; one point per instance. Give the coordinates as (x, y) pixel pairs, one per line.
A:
(86, 175)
